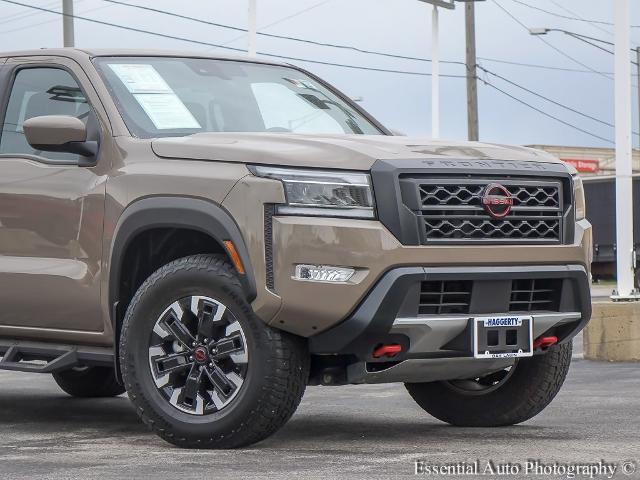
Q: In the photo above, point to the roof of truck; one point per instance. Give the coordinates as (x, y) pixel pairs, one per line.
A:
(84, 53)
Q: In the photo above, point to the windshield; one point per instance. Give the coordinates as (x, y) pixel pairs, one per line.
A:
(166, 96)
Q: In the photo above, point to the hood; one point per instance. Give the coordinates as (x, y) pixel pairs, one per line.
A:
(350, 152)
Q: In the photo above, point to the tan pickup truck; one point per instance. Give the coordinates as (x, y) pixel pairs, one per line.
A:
(214, 234)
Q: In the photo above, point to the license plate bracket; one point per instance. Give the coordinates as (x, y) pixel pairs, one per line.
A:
(503, 336)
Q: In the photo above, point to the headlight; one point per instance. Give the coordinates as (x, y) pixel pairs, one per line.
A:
(578, 195)
(322, 193)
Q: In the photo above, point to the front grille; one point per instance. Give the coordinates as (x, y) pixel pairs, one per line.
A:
(450, 210)
(533, 295)
(484, 229)
(442, 297)
(469, 195)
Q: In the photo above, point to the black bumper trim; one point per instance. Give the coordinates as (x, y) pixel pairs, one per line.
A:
(373, 317)
(371, 322)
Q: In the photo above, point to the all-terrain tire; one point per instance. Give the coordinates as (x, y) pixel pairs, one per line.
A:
(277, 366)
(89, 382)
(524, 393)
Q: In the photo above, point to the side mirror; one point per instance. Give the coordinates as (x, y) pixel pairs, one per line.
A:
(59, 133)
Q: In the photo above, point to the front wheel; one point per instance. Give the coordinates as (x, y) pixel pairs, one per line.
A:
(201, 368)
(507, 397)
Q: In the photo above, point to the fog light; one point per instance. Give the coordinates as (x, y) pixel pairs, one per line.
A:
(323, 273)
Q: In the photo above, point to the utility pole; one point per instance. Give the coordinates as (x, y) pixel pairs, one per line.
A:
(638, 80)
(624, 186)
(435, 74)
(253, 29)
(68, 36)
(472, 84)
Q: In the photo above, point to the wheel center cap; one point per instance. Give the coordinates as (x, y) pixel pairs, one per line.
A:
(201, 354)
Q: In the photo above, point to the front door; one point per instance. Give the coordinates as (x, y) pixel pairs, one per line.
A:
(51, 210)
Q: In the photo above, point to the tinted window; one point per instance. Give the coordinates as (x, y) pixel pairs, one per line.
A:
(160, 96)
(37, 92)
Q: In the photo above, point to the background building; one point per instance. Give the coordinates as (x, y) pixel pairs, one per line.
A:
(589, 160)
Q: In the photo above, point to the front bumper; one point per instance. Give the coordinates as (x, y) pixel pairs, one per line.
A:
(382, 317)
(439, 347)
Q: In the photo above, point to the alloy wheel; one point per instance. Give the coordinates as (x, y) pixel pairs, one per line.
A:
(198, 355)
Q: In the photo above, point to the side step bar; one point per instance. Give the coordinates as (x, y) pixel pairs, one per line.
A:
(41, 357)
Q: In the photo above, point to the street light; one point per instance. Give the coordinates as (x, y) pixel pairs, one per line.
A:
(435, 60)
(589, 40)
(625, 252)
(583, 38)
(435, 63)
(539, 31)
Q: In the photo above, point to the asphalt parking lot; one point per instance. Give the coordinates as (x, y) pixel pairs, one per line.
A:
(371, 431)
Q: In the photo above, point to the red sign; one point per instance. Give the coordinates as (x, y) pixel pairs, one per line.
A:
(583, 166)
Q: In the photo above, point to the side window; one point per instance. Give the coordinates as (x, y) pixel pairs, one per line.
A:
(37, 92)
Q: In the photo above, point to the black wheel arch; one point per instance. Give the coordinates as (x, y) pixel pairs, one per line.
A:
(177, 212)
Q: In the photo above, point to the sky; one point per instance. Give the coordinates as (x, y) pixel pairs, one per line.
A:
(400, 27)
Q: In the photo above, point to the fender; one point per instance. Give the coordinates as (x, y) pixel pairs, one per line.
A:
(175, 212)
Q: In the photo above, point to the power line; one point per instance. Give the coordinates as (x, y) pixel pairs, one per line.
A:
(122, 27)
(546, 114)
(550, 100)
(593, 44)
(559, 15)
(293, 15)
(283, 19)
(280, 37)
(225, 45)
(356, 67)
(25, 27)
(177, 15)
(325, 44)
(571, 12)
(515, 84)
(583, 38)
(21, 15)
(544, 67)
(199, 42)
(561, 52)
(591, 41)
(564, 54)
(173, 37)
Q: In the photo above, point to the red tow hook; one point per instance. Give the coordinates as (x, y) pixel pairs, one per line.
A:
(545, 342)
(387, 350)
